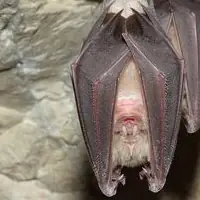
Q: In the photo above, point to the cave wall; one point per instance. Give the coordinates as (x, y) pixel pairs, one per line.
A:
(43, 156)
(41, 146)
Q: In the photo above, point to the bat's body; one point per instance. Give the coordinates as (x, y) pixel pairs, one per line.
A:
(130, 142)
(136, 74)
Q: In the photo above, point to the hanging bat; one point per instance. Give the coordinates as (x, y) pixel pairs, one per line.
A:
(136, 75)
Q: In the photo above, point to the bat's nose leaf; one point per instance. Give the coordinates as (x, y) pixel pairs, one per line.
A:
(162, 76)
(95, 76)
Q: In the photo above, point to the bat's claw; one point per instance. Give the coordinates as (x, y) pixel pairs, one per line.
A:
(119, 179)
(146, 172)
(122, 179)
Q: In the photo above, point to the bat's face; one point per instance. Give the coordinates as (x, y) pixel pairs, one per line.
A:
(130, 130)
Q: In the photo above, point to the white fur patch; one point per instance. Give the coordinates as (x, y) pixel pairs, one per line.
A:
(123, 155)
(126, 5)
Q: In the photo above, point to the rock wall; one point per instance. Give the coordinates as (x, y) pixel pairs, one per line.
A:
(43, 156)
(41, 146)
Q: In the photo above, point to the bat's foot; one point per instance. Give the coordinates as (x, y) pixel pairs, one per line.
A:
(118, 177)
(146, 172)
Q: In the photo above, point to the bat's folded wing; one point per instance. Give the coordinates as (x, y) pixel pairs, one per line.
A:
(162, 78)
(95, 76)
(181, 21)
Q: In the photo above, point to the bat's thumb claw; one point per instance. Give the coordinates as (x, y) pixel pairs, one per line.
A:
(122, 179)
(143, 173)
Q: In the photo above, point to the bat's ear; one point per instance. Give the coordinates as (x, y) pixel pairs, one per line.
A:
(162, 80)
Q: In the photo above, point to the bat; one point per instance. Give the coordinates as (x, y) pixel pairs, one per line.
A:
(135, 78)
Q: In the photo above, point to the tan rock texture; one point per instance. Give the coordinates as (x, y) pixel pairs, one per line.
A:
(41, 146)
(43, 156)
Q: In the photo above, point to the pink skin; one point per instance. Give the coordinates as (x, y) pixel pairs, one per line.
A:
(129, 115)
(129, 111)
(129, 107)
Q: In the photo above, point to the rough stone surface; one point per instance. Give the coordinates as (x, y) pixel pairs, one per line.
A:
(43, 156)
(41, 146)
